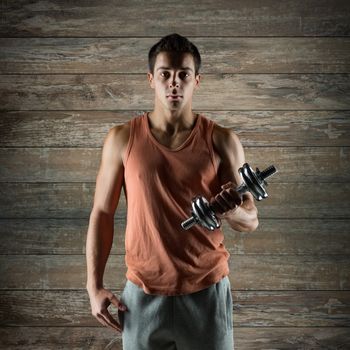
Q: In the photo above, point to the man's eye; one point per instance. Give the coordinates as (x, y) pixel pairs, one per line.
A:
(167, 74)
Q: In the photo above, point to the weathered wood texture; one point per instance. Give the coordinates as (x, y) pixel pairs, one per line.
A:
(268, 272)
(123, 91)
(265, 308)
(155, 18)
(74, 200)
(317, 237)
(71, 164)
(250, 338)
(127, 55)
(275, 72)
(86, 129)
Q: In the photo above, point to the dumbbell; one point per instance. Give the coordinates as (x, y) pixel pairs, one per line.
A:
(203, 212)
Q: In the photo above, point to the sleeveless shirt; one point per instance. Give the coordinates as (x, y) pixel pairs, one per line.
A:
(161, 257)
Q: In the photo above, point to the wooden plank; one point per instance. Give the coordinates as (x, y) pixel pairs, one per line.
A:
(100, 18)
(250, 308)
(75, 200)
(99, 337)
(247, 272)
(273, 236)
(294, 164)
(129, 55)
(254, 127)
(132, 91)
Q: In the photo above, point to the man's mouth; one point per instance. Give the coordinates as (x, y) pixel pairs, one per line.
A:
(174, 97)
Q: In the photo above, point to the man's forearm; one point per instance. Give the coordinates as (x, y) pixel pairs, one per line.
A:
(98, 246)
(244, 218)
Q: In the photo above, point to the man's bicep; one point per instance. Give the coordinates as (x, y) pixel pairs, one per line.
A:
(110, 176)
(232, 158)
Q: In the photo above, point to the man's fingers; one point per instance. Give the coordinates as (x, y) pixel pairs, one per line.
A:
(227, 202)
(117, 303)
(228, 198)
(110, 320)
(101, 319)
(239, 197)
(223, 206)
(232, 198)
(227, 185)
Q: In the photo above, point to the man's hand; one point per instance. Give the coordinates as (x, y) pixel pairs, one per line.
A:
(227, 201)
(100, 299)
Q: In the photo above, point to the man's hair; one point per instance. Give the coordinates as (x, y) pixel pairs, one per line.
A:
(174, 43)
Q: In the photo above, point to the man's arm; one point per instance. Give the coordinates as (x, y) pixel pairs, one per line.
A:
(245, 217)
(109, 182)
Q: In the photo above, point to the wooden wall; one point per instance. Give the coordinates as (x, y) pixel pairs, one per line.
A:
(275, 72)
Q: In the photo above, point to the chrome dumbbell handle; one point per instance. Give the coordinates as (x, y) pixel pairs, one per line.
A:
(203, 212)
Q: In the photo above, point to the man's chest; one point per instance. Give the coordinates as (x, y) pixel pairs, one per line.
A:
(171, 142)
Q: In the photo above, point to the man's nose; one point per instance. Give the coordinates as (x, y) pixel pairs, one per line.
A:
(174, 80)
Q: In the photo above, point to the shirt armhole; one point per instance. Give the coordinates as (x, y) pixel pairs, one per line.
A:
(210, 144)
(131, 138)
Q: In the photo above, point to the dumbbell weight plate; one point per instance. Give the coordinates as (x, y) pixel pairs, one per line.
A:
(203, 214)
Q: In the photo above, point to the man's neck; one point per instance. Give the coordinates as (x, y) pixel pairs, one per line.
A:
(172, 122)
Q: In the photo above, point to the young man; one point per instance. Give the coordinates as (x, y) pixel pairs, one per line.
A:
(177, 294)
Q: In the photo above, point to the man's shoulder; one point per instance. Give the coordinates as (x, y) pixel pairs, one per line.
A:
(224, 138)
(120, 134)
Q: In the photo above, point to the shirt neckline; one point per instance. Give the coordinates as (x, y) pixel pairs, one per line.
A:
(155, 141)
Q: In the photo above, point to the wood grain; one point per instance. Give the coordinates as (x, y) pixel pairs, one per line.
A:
(274, 236)
(74, 200)
(250, 308)
(227, 55)
(132, 91)
(277, 73)
(256, 128)
(247, 272)
(99, 337)
(295, 164)
(219, 18)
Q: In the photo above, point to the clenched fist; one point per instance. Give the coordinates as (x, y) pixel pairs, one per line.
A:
(227, 201)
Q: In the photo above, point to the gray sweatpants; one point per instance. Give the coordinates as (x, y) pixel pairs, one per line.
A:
(200, 320)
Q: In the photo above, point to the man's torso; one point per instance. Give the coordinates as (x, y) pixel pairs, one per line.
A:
(176, 141)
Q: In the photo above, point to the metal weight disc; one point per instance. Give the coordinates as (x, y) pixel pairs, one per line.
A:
(252, 182)
(210, 214)
(203, 214)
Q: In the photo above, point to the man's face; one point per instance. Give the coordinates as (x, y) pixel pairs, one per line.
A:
(174, 75)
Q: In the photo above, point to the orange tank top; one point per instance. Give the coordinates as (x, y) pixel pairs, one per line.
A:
(161, 257)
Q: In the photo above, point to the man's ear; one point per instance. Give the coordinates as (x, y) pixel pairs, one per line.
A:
(198, 78)
(150, 79)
